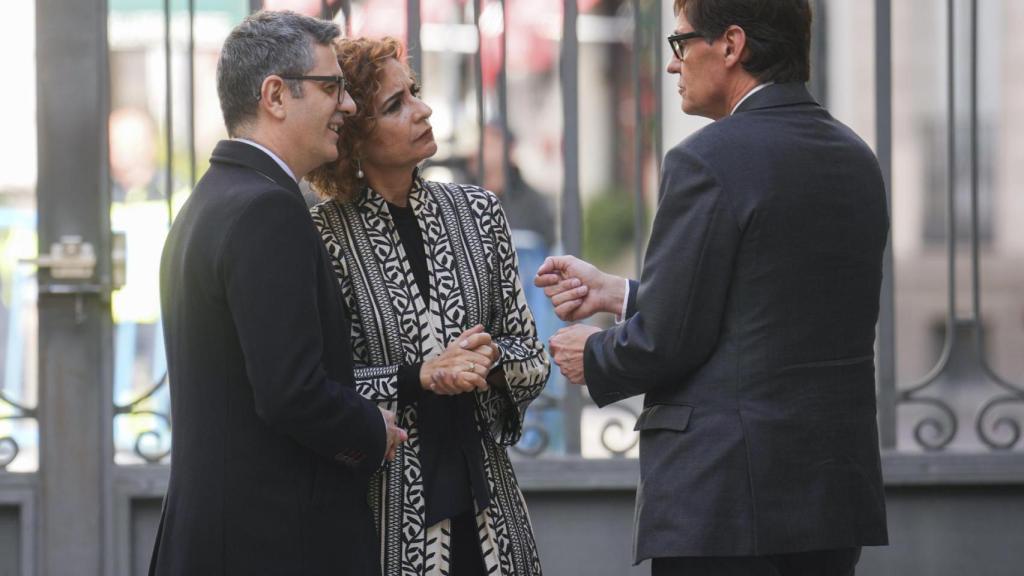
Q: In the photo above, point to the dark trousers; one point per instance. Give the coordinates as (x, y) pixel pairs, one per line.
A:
(839, 562)
(466, 558)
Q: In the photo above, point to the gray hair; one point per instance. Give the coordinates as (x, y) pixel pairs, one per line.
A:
(266, 43)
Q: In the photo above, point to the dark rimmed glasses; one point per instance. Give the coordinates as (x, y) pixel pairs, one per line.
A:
(678, 42)
(337, 82)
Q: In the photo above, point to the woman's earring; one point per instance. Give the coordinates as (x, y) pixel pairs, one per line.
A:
(359, 169)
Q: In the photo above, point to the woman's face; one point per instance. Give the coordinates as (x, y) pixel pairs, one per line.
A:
(402, 137)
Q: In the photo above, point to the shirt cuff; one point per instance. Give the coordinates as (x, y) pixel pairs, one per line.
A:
(621, 316)
(384, 421)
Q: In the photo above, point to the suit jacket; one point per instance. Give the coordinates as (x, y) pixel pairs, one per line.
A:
(273, 447)
(752, 338)
(474, 278)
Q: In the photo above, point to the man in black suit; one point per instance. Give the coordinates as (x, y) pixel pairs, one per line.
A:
(273, 447)
(751, 332)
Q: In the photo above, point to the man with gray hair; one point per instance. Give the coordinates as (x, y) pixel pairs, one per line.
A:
(273, 447)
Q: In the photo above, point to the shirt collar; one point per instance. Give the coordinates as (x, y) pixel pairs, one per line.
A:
(267, 151)
(753, 91)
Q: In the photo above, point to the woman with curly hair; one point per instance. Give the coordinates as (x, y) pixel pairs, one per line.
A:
(441, 333)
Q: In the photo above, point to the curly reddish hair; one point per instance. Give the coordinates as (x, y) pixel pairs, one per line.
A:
(362, 61)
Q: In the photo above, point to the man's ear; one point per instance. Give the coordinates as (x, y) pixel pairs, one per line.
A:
(734, 41)
(272, 96)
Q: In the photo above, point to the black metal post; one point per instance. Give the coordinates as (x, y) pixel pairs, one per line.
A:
(73, 192)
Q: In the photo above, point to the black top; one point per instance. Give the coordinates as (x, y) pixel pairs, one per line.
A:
(449, 443)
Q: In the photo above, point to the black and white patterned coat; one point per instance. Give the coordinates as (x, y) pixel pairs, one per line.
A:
(474, 278)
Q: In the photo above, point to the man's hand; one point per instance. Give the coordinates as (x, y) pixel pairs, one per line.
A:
(396, 435)
(577, 289)
(567, 349)
(463, 366)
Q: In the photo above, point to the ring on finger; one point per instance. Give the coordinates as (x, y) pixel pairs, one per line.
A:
(472, 367)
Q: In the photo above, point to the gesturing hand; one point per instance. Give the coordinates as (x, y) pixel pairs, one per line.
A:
(396, 435)
(463, 366)
(577, 289)
(567, 350)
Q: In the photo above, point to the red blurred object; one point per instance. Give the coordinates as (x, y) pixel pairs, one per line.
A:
(534, 28)
(307, 7)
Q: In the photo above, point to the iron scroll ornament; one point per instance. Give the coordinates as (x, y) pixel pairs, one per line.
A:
(147, 443)
(9, 448)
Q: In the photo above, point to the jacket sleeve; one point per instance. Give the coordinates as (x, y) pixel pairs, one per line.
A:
(523, 364)
(682, 293)
(390, 386)
(269, 266)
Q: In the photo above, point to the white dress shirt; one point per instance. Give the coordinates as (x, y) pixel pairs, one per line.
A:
(280, 162)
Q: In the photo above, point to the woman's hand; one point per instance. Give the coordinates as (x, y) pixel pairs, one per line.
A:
(463, 366)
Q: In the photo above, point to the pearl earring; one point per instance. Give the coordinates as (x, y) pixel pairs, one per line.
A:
(359, 169)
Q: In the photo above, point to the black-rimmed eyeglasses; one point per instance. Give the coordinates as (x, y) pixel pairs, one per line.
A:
(336, 83)
(678, 42)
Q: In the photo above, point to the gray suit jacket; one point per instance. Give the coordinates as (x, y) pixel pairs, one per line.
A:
(752, 338)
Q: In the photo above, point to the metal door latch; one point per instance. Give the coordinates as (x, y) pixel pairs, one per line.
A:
(69, 259)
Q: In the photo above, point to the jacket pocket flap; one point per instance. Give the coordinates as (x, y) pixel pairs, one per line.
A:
(664, 417)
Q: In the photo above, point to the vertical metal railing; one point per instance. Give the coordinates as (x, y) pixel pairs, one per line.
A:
(938, 430)
(1010, 392)
(659, 79)
(818, 84)
(478, 71)
(942, 430)
(168, 111)
(571, 213)
(639, 206)
(883, 147)
(191, 100)
(412, 37)
(346, 10)
(506, 162)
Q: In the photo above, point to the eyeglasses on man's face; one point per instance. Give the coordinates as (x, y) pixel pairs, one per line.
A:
(331, 84)
(678, 42)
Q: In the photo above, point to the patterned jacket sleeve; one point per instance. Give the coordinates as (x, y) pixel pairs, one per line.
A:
(523, 358)
(378, 384)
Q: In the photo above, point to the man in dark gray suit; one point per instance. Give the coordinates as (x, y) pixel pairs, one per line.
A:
(751, 332)
(273, 446)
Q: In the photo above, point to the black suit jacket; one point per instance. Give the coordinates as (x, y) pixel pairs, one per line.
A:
(753, 336)
(273, 448)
